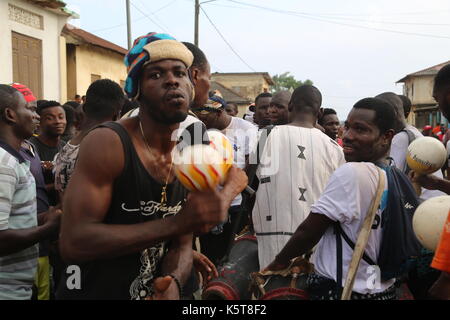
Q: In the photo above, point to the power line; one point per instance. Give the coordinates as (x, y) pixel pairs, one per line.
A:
(366, 14)
(163, 7)
(148, 17)
(307, 16)
(225, 40)
(118, 25)
(340, 17)
(136, 20)
(155, 16)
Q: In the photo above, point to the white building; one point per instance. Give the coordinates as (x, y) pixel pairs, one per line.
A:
(32, 50)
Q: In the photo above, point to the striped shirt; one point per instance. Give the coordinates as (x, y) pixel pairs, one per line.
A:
(17, 211)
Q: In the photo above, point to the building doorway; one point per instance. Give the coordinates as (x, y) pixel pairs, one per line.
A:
(27, 62)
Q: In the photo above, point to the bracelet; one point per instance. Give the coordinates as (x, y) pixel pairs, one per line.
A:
(180, 289)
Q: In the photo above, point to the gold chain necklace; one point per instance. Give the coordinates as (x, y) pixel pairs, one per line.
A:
(164, 189)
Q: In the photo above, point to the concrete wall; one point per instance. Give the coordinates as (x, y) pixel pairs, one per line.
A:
(63, 69)
(49, 35)
(89, 60)
(71, 71)
(248, 86)
(420, 90)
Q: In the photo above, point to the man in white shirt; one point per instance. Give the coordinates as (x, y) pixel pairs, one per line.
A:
(406, 134)
(242, 136)
(296, 163)
(369, 130)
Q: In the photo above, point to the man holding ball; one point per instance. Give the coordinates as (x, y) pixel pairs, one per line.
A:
(441, 261)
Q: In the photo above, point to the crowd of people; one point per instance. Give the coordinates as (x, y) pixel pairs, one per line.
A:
(91, 183)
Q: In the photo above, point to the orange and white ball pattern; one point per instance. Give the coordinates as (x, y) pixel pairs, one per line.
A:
(222, 145)
(200, 167)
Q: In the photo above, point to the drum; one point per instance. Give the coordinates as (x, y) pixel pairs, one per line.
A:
(288, 284)
(234, 280)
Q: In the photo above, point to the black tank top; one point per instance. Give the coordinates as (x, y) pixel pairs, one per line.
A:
(136, 199)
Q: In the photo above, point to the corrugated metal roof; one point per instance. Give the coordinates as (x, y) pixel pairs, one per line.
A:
(87, 37)
(425, 72)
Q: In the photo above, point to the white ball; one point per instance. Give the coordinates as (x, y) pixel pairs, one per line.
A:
(426, 155)
(200, 167)
(429, 220)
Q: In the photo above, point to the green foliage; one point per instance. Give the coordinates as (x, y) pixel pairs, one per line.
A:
(286, 81)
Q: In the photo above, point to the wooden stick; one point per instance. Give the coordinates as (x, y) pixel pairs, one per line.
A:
(363, 238)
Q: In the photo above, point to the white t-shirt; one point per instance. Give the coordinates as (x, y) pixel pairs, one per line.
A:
(399, 149)
(346, 199)
(242, 135)
(249, 117)
(295, 167)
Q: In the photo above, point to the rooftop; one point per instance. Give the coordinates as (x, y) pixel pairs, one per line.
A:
(431, 71)
(80, 36)
(264, 74)
(56, 6)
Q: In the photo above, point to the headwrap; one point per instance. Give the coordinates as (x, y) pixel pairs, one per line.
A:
(25, 91)
(214, 103)
(152, 47)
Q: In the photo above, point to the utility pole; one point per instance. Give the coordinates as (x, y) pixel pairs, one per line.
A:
(128, 24)
(197, 12)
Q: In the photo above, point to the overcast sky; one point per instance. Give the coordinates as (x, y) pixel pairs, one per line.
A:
(350, 49)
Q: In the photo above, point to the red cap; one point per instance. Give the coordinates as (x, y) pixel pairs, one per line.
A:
(427, 127)
(27, 94)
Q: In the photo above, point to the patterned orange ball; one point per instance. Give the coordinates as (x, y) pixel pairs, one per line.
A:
(200, 167)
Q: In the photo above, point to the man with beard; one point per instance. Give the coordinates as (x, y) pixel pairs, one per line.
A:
(128, 221)
(19, 230)
(192, 131)
(369, 130)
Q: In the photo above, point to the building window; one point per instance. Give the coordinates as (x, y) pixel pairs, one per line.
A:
(95, 77)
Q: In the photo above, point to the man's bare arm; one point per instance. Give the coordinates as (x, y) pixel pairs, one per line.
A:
(15, 240)
(304, 239)
(84, 235)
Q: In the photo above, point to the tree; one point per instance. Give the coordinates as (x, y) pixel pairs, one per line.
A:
(286, 81)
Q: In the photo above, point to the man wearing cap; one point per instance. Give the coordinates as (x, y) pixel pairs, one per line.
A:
(127, 221)
(426, 130)
(19, 230)
(242, 136)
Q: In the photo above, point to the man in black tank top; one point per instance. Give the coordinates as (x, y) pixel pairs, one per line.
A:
(128, 223)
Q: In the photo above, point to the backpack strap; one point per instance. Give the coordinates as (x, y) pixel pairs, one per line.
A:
(341, 233)
(338, 260)
(363, 237)
(411, 138)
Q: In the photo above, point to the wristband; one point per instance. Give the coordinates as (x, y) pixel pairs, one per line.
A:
(180, 289)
